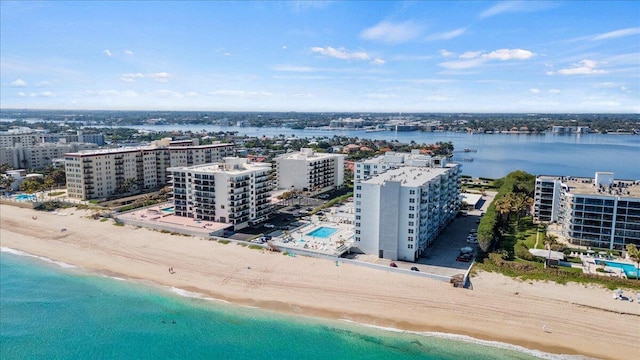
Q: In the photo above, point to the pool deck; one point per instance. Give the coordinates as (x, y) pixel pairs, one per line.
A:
(589, 266)
(299, 239)
(154, 214)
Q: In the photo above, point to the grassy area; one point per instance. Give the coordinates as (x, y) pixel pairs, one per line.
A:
(530, 270)
(56, 193)
(513, 259)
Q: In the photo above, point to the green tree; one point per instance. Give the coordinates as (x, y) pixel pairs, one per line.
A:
(634, 254)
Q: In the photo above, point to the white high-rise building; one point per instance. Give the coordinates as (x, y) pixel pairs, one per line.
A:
(399, 212)
(308, 170)
(370, 167)
(600, 212)
(234, 191)
(105, 173)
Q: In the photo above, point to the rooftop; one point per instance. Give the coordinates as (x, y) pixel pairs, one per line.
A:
(588, 186)
(411, 176)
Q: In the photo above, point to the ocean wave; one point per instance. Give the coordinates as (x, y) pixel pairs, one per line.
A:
(42, 258)
(472, 340)
(194, 295)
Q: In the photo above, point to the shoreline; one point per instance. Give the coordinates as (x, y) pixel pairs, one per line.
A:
(316, 288)
(193, 294)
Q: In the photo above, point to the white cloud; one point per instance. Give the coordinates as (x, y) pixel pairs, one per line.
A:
(168, 94)
(192, 94)
(107, 52)
(462, 64)
(377, 61)
(445, 53)
(447, 35)
(470, 54)
(516, 7)
(439, 98)
(19, 83)
(535, 91)
(111, 93)
(43, 83)
(554, 91)
(392, 33)
(293, 68)
(46, 94)
(227, 54)
(475, 59)
(380, 96)
(584, 67)
(128, 52)
(284, 47)
(131, 77)
(509, 54)
(161, 77)
(340, 53)
(21, 94)
(240, 93)
(618, 33)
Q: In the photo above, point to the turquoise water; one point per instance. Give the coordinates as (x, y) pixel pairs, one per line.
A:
(168, 210)
(51, 312)
(323, 232)
(629, 269)
(25, 197)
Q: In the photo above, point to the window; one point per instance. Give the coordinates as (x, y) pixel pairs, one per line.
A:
(358, 232)
(412, 192)
(358, 217)
(358, 196)
(357, 224)
(410, 223)
(412, 200)
(358, 210)
(410, 246)
(412, 208)
(359, 187)
(410, 238)
(410, 231)
(411, 216)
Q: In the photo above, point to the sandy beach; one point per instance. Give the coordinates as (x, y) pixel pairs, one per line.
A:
(578, 319)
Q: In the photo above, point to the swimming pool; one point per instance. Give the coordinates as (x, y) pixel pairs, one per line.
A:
(629, 269)
(25, 197)
(322, 232)
(168, 210)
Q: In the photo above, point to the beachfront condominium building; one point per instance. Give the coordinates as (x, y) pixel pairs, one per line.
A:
(400, 212)
(234, 191)
(39, 155)
(308, 170)
(106, 173)
(370, 167)
(600, 212)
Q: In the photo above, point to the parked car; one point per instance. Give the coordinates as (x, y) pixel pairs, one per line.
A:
(393, 264)
(269, 226)
(413, 268)
(464, 257)
(472, 240)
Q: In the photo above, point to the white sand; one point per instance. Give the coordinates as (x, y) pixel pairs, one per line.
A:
(578, 319)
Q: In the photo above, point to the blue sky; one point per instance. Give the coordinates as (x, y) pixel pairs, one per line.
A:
(425, 56)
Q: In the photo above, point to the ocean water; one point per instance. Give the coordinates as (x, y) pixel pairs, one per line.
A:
(50, 310)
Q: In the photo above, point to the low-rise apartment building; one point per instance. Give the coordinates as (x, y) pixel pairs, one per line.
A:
(39, 155)
(600, 212)
(234, 191)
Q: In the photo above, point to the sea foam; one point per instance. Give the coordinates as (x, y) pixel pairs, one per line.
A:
(42, 258)
(472, 340)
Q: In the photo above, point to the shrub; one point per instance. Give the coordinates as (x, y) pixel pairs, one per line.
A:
(522, 251)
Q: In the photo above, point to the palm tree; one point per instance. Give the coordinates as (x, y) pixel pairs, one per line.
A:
(634, 254)
(503, 207)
